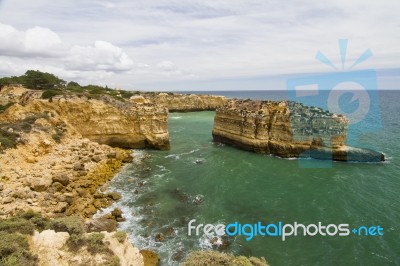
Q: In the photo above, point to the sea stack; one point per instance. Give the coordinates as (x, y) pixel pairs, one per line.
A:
(287, 129)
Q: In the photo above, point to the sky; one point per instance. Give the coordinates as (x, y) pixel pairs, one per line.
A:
(197, 45)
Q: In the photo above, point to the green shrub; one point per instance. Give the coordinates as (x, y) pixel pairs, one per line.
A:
(127, 94)
(95, 243)
(29, 214)
(71, 224)
(120, 236)
(75, 242)
(5, 107)
(58, 135)
(51, 93)
(8, 139)
(14, 250)
(16, 224)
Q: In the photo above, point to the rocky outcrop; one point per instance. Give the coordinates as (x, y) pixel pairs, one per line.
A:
(287, 129)
(57, 178)
(176, 102)
(52, 249)
(104, 120)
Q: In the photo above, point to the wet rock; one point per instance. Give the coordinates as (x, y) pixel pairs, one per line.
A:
(159, 237)
(169, 232)
(121, 219)
(198, 199)
(127, 159)
(150, 258)
(178, 256)
(98, 195)
(225, 243)
(114, 195)
(182, 196)
(117, 213)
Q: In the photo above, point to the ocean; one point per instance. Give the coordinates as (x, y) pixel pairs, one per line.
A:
(215, 183)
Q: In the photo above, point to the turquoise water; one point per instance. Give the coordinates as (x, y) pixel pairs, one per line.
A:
(233, 185)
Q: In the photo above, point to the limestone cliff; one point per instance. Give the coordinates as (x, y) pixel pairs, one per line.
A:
(176, 102)
(104, 120)
(286, 129)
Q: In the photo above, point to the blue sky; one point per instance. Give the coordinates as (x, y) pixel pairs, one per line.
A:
(196, 45)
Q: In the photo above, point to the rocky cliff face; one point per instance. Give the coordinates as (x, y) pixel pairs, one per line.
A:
(286, 129)
(105, 120)
(52, 249)
(186, 102)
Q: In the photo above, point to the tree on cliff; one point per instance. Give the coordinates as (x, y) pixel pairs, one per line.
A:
(41, 80)
(34, 79)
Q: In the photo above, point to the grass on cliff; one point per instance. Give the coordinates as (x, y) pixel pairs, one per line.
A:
(10, 133)
(120, 236)
(14, 247)
(5, 107)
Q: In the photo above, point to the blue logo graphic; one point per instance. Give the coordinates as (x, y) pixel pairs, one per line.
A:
(353, 94)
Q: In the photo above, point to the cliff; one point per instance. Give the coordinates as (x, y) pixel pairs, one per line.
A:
(104, 120)
(50, 175)
(176, 102)
(287, 129)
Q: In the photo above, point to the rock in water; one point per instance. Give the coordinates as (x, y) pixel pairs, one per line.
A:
(287, 129)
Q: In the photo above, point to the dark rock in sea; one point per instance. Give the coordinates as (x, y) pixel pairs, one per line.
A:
(220, 243)
(127, 159)
(184, 220)
(178, 255)
(198, 199)
(114, 195)
(169, 232)
(198, 161)
(117, 213)
(180, 195)
(159, 237)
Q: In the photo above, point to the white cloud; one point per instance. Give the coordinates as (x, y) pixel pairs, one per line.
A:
(159, 41)
(41, 48)
(101, 56)
(35, 41)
